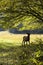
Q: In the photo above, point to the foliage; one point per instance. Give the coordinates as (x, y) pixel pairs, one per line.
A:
(29, 13)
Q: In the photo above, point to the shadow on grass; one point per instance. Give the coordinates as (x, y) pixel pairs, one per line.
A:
(21, 55)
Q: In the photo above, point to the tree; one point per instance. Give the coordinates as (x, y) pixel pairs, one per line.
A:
(16, 13)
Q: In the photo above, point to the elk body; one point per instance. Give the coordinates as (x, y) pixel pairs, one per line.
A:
(26, 39)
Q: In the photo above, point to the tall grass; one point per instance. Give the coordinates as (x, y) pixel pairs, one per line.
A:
(11, 54)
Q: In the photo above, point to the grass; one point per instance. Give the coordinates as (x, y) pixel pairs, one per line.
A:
(11, 54)
(16, 38)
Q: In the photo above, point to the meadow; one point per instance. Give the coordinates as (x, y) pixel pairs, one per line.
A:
(13, 53)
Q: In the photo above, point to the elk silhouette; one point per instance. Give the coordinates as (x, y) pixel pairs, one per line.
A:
(26, 39)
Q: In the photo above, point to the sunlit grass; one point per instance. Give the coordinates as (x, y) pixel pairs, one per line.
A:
(15, 54)
(12, 51)
(17, 38)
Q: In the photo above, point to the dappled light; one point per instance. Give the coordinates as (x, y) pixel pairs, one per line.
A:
(21, 32)
(21, 55)
(21, 14)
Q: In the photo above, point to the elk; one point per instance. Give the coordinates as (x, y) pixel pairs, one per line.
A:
(26, 39)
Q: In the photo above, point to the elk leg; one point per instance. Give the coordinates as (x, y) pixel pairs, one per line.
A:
(26, 43)
(22, 43)
(29, 42)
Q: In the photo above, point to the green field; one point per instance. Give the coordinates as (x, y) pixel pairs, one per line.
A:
(13, 53)
(16, 54)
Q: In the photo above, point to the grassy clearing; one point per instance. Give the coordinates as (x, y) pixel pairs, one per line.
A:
(11, 54)
(17, 38)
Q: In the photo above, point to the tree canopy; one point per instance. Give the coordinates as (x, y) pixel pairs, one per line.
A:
(21, 14)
